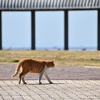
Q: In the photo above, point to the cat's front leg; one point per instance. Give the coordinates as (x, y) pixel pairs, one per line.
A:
(40, 77)
(41, 74)
(46, 76)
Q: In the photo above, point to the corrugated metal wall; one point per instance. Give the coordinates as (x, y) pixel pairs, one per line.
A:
(49, 4)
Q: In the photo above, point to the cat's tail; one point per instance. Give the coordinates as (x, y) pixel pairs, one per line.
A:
(17, 70)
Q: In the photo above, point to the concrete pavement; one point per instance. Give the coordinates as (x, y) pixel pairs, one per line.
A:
(60, 90)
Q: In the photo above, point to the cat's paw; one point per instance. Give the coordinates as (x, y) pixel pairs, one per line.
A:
(40, 82)
(25, 83)
(51, 83)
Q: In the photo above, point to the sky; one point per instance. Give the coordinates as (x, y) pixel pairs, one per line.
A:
(16, 29)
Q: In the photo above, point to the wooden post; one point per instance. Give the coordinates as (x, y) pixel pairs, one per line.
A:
(0, 30)
(32, 30)
(66, 30)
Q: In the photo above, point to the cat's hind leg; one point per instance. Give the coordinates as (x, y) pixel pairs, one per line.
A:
(21, 77)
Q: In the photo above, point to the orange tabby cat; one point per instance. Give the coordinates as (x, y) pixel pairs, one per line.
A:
(29, 65)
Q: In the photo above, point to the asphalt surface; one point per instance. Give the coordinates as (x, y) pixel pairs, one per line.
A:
(56, 73)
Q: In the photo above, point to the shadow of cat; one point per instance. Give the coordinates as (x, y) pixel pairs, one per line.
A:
(42, 84)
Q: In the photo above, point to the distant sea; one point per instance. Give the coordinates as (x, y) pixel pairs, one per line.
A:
(57, 49)
(70, 49)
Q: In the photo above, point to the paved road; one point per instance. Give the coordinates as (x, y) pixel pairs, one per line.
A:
(57, 73)
(60, 90)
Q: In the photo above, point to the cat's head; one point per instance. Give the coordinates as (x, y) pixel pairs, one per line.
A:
(50, 63)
